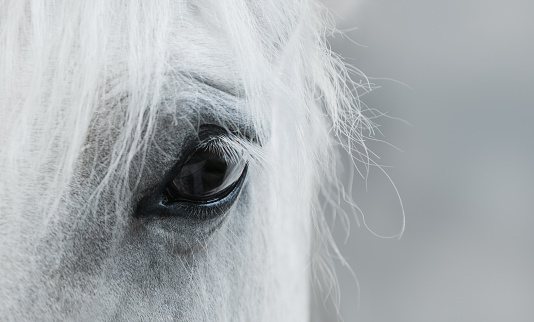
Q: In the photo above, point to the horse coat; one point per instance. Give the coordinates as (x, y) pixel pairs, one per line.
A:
(105, 105)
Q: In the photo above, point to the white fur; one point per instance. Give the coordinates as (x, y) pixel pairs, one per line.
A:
(84, 87)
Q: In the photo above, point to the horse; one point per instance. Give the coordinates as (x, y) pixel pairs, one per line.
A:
(169, 160)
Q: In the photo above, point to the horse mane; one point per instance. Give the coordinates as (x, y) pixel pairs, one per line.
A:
(63, 83)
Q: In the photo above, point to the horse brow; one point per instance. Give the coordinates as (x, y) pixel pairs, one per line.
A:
(227, 88)
(240, 127)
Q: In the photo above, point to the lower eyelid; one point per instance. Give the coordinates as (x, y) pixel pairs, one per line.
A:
(152, 207)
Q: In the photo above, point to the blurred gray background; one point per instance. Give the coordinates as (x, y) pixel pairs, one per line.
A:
(466, 170)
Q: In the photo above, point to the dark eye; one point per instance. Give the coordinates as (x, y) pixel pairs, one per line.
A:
(202, 186)
(205, 177)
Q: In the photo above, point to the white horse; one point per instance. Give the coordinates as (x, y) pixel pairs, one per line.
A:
(162, 160)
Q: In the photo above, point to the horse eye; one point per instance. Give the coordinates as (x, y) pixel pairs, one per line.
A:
(204, 178)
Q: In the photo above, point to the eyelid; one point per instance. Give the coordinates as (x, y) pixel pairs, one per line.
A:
(235, 149)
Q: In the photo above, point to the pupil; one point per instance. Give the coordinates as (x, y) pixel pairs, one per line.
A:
(203, 175)
(206, 176)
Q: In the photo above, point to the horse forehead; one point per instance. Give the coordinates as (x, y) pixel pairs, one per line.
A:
(191, 50)
(198, 51)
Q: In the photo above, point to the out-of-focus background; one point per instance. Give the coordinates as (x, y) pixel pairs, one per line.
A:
(466, 172)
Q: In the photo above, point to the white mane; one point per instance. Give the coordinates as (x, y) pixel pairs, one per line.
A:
(83, 83)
